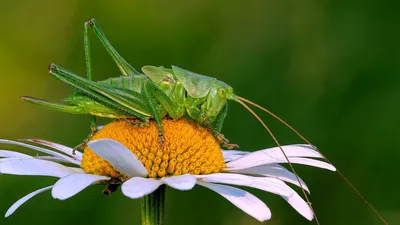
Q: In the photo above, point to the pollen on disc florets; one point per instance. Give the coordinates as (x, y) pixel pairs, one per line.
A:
(188, 148)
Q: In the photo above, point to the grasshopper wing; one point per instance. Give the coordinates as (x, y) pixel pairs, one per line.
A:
(197, 86)
(158, 74)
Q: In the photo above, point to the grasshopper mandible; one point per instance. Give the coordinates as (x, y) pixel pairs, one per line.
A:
(154, 94)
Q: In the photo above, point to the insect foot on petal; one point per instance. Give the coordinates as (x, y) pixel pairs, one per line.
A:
(84, 143)
(225, 143)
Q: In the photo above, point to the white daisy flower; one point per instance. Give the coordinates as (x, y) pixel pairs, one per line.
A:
(132, 157)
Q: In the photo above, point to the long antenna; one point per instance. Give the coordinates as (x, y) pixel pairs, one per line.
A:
(308, 142)
(287, 158)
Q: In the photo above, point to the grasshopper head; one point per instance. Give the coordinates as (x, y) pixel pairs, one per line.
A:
(225, 92)
(218, 96)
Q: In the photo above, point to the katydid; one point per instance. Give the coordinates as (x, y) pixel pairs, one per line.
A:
(156, 93)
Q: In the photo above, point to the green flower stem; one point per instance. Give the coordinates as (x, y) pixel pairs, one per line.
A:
(153, 207)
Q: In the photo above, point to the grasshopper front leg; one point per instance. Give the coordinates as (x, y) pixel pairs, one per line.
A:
(216, 127)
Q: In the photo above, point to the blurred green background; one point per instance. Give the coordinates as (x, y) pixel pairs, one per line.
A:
(330, 68)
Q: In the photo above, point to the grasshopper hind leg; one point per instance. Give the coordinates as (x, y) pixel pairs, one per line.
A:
(123, 65)
(93, 131)
(88, 64)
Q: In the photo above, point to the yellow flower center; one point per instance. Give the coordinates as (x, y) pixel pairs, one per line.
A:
(188, 148)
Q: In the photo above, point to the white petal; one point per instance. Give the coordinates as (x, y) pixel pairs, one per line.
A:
(308, 162)
(296, 150)
(77, 170)
(245, 201)
(9, 159)
(230, 155)
(300, 206)
(265, 156)
(304, 161)
(62, 148)
(138, 187)
(21, 201)
(231, 158)
(268, 184)
(12, 154)
(271, 170)
(51, 158)
(119, 156)
(34, 167)
(183, 182)
(71, 185)
(282, 173)
(234, 152)
(47, 151)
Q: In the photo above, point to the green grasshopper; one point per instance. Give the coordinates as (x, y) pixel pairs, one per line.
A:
(154, 94)
(157, 93)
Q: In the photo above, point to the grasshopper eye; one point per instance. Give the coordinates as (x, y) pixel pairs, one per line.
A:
(222, 93)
